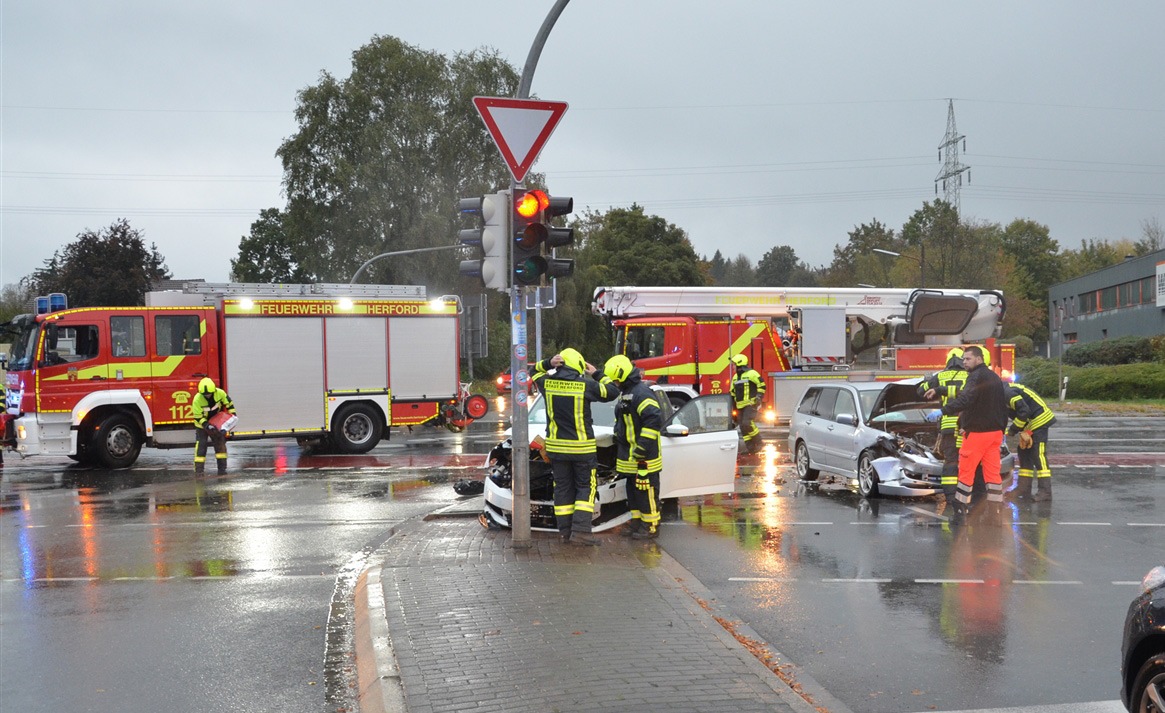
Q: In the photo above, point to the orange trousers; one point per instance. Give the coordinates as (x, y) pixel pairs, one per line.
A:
(980, 448)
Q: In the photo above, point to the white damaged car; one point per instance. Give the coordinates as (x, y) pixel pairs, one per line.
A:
(698, 442)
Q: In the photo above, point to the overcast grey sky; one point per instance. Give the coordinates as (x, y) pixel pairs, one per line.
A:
(747, 124)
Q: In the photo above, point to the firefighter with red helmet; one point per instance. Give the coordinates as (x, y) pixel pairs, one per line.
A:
(208, 403)
(570, 438)
(638, 420)
(748, 390)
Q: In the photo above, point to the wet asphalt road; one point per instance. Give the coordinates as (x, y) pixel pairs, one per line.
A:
(149, 589)
(891, 610)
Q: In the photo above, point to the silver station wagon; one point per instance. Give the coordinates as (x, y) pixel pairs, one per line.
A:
(873, 434)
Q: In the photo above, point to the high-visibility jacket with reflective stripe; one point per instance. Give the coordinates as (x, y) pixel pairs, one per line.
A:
(1027, 410)
(568, 396)
(637, 423)
(747, 388)
(205, 407)
(947, 384)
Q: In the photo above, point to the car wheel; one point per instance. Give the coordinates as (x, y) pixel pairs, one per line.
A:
(1149, 686)
(867, 476)
(116, 442)
(804, 469)
(357, 429)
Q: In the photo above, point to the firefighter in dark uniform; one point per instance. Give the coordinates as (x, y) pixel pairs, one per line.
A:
(748, 390)
(208, 403)
(1030, 418)
(638, 457)
(946, 385)
(570, 438)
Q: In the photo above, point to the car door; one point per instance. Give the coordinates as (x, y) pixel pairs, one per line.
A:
(817, 428)
(839, 437)
(704, 460)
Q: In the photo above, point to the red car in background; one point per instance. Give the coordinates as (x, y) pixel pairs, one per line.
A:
(503, 382)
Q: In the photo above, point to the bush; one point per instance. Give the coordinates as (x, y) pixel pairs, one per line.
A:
(1024, 346)
(1126, 350)
(1108, 383)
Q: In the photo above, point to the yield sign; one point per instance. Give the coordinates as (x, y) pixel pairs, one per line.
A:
(520, 128)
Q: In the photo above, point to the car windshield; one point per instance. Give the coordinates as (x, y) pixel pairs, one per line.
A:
(23, 329)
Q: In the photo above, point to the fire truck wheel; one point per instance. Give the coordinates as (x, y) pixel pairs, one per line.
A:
(357, 428)
(804, 472)
(116, 441)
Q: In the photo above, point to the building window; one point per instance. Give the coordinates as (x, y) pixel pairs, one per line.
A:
(1149, 290)
(1088, 303)
(1108, 298)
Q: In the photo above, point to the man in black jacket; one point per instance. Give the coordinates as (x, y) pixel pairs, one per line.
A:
(982, 410)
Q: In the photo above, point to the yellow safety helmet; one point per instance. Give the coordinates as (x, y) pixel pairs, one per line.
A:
(986, 356)
(618, 368)
(956, 353)
(572, 359)
(206, 386)
(740, 360)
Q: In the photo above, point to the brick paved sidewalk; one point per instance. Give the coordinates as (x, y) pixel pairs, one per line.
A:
(456, 619)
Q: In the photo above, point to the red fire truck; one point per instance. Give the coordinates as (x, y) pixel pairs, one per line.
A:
(338, 363)
(684, 337)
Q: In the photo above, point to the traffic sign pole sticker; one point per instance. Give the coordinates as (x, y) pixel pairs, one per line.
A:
(520, 128)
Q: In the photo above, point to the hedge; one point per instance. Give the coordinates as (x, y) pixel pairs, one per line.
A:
(1125, 350)
(1121, 382)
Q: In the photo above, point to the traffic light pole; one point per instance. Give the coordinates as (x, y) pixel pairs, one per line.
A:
(519, 377)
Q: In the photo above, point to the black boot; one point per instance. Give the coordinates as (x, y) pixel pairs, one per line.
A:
(1023, 491)
(647, 533)
(958, 513)
(584, 539)
(631, 528)
(1044, 493)
(222, 467)
(564, 535)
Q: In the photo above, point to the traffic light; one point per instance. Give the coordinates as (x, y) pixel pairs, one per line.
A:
(491, 237)
(534, 240)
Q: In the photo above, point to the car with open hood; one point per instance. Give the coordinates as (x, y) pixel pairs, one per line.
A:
(698, 443)
(877, 435)
(1143, 647)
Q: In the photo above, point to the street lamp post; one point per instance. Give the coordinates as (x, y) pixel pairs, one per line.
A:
(921, 260)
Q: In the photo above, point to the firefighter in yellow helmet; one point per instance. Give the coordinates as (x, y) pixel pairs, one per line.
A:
(748, 390)
(570, 438)
(638, 420)
(208, 403)
(946, 385)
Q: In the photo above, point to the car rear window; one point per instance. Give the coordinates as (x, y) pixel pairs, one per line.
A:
(806, 405)
(826, 402)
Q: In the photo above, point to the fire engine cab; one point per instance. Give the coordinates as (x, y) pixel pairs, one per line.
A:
(332, 362)
(684, 337)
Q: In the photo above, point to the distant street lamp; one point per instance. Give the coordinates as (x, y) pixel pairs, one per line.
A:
(921, 261)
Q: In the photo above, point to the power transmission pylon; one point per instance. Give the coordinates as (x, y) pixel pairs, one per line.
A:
(952, 171)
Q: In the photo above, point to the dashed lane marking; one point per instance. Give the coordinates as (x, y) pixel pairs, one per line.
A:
(1046, 581)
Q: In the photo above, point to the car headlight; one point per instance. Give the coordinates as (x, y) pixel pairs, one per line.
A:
(1155, 578)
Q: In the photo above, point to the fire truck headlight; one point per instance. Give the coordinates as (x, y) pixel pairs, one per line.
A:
(770, 416)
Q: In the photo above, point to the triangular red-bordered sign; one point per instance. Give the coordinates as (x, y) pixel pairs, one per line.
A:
(520, 128)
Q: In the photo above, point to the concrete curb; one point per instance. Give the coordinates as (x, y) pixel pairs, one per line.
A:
(380, 689)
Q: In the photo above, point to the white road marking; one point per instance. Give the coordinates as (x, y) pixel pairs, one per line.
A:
(761, 579)
(1087, 524)
(857, 580)
(1046, 581)
(1147, 524)
(948, 581)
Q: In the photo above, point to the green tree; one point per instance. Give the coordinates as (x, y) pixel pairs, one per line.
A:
(377, 165)
(780, 267)
(956, 254)
(855, 262)
(739, 272)
(108, 267)
(1036, 256)
(1094, 254)
(16, 298)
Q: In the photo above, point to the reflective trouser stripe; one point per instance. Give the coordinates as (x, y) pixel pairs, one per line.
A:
(575, 486)
(1035, 459)
(646, 491)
